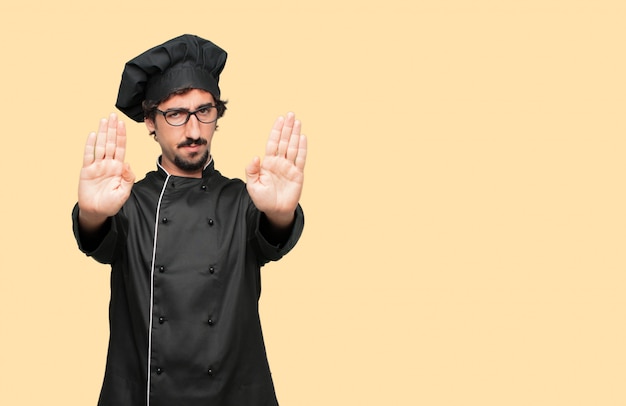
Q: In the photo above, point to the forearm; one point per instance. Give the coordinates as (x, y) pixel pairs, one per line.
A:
(276, 228)
(90, 223)
(280, 220)
(90, 239)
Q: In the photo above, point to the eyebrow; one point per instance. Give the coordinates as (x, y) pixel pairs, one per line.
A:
(200, 107)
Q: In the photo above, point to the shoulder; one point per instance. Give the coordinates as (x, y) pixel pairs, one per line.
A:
(218, 181)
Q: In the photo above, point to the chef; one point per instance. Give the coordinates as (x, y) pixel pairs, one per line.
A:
(185, 243)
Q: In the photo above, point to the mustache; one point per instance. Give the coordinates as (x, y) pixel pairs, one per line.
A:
(190, 141)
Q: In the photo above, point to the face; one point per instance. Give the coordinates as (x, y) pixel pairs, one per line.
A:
(185, 149)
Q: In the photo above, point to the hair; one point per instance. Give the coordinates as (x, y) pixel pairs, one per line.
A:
(150, 106)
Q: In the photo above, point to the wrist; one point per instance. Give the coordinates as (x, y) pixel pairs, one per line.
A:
(280, 220)
(90, 222)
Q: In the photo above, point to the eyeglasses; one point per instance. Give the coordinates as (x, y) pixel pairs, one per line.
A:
(177, 117)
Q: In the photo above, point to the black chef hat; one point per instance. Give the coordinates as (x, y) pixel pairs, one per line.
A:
(187, 61)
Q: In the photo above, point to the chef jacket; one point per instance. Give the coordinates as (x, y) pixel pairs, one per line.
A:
(185, 257)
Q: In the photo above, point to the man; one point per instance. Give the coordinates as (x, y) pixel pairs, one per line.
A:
(185, 243)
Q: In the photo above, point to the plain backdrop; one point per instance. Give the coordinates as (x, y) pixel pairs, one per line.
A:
(464, 193)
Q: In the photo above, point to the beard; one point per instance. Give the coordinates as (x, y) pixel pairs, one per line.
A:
(189, 165)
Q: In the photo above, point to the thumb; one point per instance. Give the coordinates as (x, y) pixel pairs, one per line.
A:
(128, 177)
(253, 170)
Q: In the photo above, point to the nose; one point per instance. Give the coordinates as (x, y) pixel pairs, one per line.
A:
(192, 127)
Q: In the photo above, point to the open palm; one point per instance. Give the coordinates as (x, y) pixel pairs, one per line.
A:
(105, 179)
(275, 184)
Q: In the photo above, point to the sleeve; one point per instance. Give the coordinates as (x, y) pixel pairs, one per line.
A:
(106, 247)
(273, 250)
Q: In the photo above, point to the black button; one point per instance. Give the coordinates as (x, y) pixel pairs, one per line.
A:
(211, 270)
(210, 221)
(159, 371)
(211, 322)
(161, 269)
(165, 220)
(203, 187)
(210, 371)
(161, 320)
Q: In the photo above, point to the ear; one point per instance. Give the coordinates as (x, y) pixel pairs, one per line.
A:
(150, 125)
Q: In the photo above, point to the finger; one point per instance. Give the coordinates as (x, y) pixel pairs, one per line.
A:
(111, 140)
(294, 141)
(285, 134)
(120, 147)
(90, 147)
(274, 138)
(302, 151)
(101, 140)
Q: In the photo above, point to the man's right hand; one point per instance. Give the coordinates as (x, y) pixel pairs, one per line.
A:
(105, 179)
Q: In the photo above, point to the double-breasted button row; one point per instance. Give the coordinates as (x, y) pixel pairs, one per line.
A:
(210, 321)
(161, 269)
(166, 220)
(210, 371)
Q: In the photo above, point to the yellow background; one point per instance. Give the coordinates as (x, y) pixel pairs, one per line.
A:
(464, 196)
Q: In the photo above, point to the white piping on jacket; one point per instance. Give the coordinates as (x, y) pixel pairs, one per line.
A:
(154, 246)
